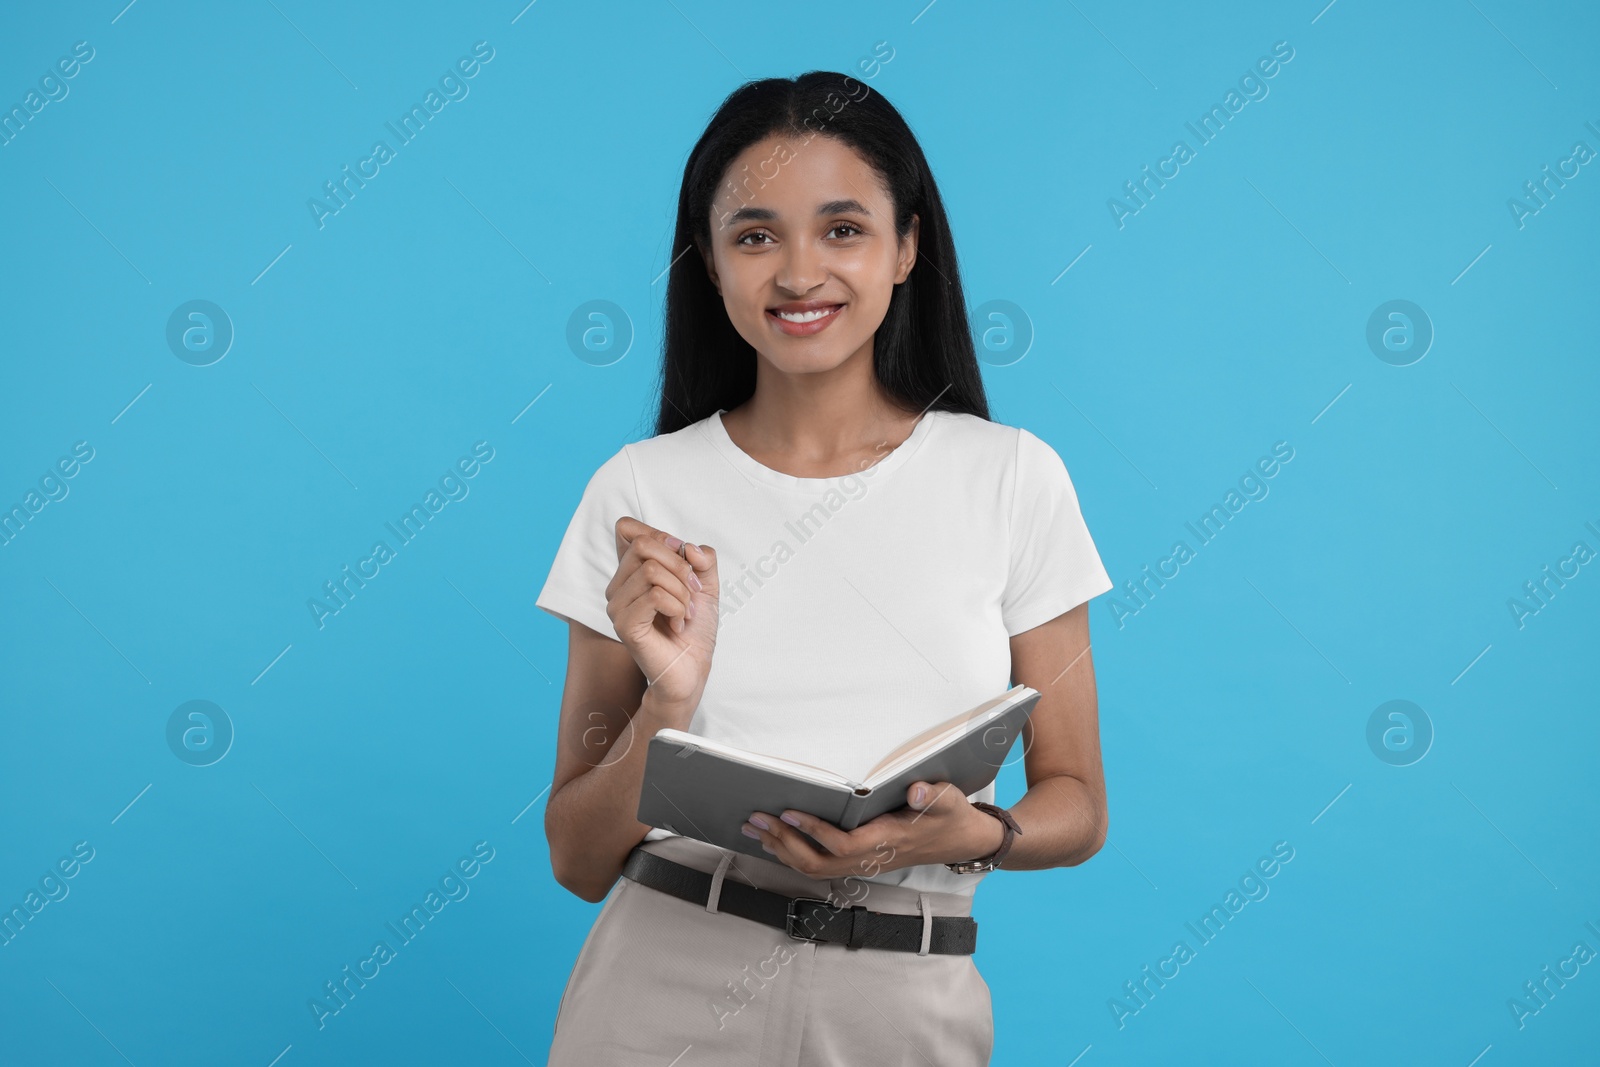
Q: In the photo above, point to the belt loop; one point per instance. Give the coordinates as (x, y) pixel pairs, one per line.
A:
(716, 882)
(927, 923)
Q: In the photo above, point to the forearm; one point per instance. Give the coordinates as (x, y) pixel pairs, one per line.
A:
(1063, 823)
(591, 822)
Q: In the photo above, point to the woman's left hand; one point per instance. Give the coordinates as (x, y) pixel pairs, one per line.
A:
(939, 825)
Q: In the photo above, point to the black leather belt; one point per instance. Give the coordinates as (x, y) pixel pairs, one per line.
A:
(804, 918)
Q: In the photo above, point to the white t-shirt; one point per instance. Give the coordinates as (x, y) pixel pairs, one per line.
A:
(856, 610)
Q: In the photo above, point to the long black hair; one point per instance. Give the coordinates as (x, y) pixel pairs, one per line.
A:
(922, 353)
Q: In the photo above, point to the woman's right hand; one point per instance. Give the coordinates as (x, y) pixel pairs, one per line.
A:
(663, 603)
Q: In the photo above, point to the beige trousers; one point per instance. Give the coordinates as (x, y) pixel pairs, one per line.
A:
(662, 982)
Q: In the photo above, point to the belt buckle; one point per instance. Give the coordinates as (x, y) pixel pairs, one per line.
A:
(789, 918)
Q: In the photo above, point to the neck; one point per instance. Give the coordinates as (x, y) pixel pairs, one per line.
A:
(817, 419)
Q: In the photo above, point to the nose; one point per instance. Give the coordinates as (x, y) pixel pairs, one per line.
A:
(801, 270)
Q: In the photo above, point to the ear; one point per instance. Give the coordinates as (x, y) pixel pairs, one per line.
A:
(711, 265)
(908, 252)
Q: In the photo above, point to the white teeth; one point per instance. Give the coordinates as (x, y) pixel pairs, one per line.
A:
(806, 316)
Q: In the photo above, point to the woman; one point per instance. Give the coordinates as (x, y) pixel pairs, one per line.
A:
(826, 548)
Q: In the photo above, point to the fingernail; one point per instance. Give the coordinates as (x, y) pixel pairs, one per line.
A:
(694, 581)
(920, 793)
(674, 543)
(790, 819)
(691, 607)
(757, 820)
(746, 831)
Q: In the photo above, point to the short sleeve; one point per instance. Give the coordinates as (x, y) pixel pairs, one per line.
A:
(586, 560)
(1054, 564)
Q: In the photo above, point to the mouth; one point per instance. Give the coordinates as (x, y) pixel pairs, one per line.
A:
(799, 320)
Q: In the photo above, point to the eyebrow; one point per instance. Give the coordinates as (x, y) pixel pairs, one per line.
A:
(830, 207)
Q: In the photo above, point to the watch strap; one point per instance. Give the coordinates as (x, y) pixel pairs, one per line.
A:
(992, 861)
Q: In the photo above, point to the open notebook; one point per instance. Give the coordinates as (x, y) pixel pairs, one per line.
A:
(705, 789)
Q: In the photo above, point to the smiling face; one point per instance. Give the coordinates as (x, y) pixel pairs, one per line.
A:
(806, 260)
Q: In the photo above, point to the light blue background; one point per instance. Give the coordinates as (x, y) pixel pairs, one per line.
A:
(1228, 314)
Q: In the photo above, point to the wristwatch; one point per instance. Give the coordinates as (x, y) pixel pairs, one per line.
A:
(989, 863)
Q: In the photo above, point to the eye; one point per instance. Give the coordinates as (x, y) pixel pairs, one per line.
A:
(752, 233)
(854, 229)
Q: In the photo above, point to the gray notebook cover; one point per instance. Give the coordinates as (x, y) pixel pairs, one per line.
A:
(690, 790)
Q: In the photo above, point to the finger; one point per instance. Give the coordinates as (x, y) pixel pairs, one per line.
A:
(648, 562)
(766, 840)
(825, 839)
(836, 841)
(653, 572)
(656, 545)
(673, 583)
(628, 529)
(652, 601)
(924, 795)
(702, 560)
(785, 844)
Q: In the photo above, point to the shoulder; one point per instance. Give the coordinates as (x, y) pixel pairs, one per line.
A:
(1029, 467)
(1005, 447)
(653, 451)
(980, 434)
(1036, 455)
(671, 445)
(668, 455)
(650, 458)
(616, 478)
